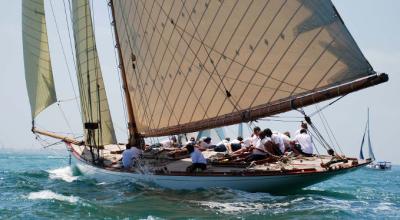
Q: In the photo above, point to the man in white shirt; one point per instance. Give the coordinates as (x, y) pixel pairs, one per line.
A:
(223, 145)
(236, 144)
(276, 143)
(259, 151)
(205, 144)
(255, 135)
(287, 141)
(129, 155)
(198, 160)
(278, 140)
(171, 142)
(192, 141)
(302, 126)
(305, 145)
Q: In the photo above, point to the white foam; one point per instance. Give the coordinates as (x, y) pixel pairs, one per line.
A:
(47, 194)
(233, 207)
(151, 218)
(64, 173)
(384, 206)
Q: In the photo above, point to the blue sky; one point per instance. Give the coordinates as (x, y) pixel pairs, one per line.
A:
(375, 25)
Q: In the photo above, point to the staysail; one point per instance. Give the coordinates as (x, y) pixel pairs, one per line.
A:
(38, 71)
(233, 61)
(95, 109)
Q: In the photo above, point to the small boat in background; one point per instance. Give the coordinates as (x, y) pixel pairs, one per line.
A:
(380, 165)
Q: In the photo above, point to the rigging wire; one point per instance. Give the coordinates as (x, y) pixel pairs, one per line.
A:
(62, 48)
(123, 102)
(333, 134)
(326, 106)
(324, 125)
(64, 117)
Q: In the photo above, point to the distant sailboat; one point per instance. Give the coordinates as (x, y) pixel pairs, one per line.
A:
(380, 165)
(189, 66)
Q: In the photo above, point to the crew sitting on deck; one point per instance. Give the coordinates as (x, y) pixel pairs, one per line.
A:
(192, 141)
(236, 144)
(286, 140)
(303, 144)
(130, 155)
(259, 151)
(277, 143)
(171, 142)
(223, 145)
(205, 144)
(303, 125)
(249, 142)
(198, 160)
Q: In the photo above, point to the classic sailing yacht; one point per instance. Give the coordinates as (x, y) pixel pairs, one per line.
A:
(379, 165)
(189, 66)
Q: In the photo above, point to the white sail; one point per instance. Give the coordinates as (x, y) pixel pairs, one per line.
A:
(225, 57)
(38, 71)
(94, 104)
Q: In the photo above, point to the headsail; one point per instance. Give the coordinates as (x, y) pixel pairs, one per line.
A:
(38, 71)
(232, 61)
(94, 102)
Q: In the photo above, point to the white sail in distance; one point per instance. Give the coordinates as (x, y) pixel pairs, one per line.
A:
(198, 64)
(38, 71)
(94, 103)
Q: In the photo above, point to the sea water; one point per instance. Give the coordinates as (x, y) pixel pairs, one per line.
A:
(44, 186)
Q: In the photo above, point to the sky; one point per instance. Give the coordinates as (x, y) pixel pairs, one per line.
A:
(375, 25)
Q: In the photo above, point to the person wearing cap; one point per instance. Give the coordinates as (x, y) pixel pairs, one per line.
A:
(198, 160)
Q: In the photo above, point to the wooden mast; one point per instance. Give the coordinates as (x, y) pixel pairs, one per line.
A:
(134, 136)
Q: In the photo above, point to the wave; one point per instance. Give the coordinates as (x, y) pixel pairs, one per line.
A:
(47, 194)
(63, 173)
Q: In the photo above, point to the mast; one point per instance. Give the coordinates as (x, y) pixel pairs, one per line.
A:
(134, 135)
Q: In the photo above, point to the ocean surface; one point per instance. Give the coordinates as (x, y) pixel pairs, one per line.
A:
(44, 186)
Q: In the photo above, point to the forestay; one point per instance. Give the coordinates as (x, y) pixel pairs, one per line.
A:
(93, 97)
(192, 62)
(38, 71)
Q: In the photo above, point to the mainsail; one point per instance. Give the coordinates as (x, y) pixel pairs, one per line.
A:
(232, 61)
(95, 110)
(38, 71)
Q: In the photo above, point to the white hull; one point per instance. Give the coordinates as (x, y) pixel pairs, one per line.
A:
(380, 166)
(265, 183)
